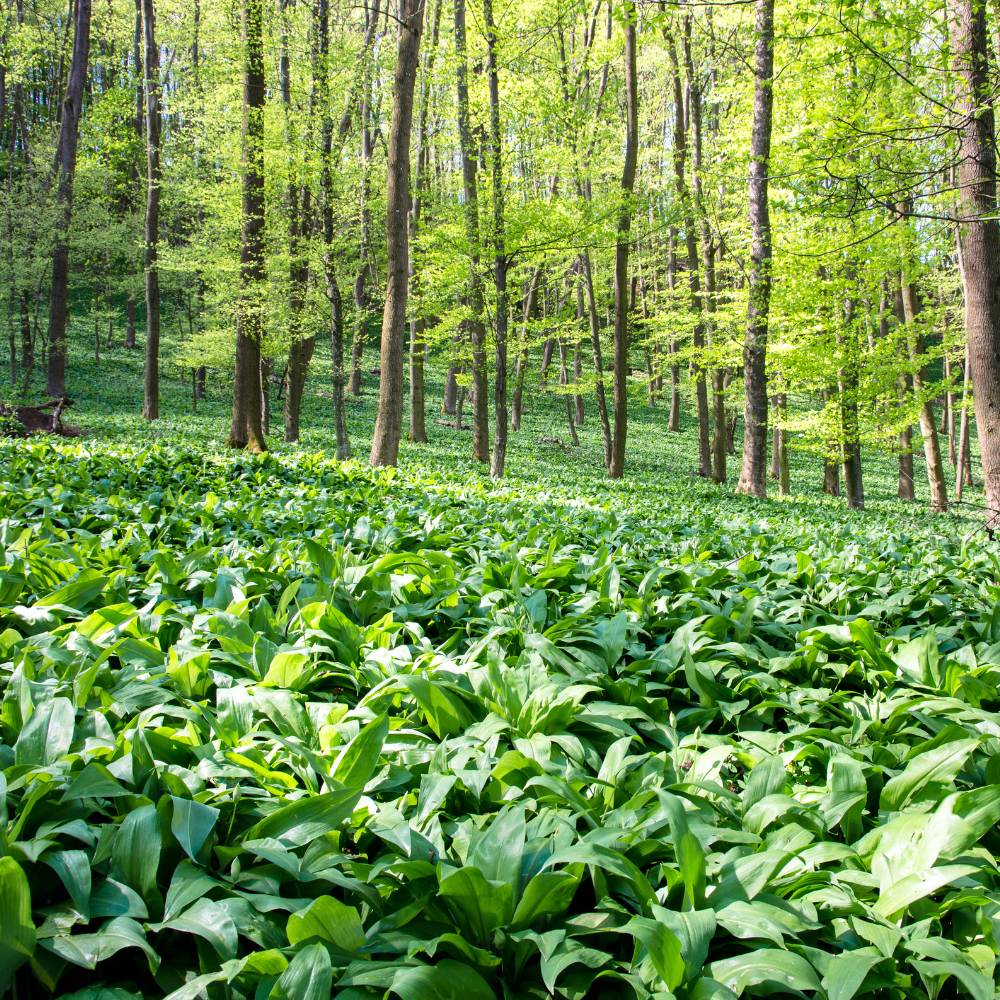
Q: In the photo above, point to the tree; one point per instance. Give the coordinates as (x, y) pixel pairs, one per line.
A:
(474, 293)
(499, 249)
(979, 231)
(388, 423)
(247, 424)
(151, 380)
(753, 477)
(65, 174)
(617, 465)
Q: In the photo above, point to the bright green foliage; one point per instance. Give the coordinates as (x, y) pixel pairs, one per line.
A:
(279, 727)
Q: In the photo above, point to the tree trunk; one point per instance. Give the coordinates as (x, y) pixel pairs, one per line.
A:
(527, 311)
(247, 427)
(389, 421)
(620, 431)
(475, 326)
(928, 428)
(65, 169)
(501, 319)
(979, 231)
(151, 372)
(674, 419)
(694, 283)
(753, 476)
(595, 345)
(963, 472)
(418, 348)
(299, 206)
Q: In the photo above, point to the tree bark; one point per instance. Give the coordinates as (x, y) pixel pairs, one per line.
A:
(501, 320)
(621, 373)
(475, 326)
(694, 283)
(753, 476)
(247, 425)
(389, 421)
(151, 372)
(979, 232)
(65, 169)
(928, 428)
(418, 347)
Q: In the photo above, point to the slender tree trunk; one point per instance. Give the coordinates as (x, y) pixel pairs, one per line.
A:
(528, 310)
(343, 444)
(247, 429)
(298, 199)
(979, 230)
(366, 266)
(69, 132)
(963, 472)
(620, 431)
(694, 282)
(674, 419)
(501, 321)
(477, 331)
(928, 428)
(753, 476)
(151, 374)
(389, 422)
(595, 345)
(418, 348)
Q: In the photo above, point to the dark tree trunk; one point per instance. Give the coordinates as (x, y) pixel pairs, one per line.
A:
(528, 310)
(674, 418)
(595, 345)
(928, 429)
(65, 170)
(389, 422)
(753, 476)
(299, 204)
(501, 319)
(151, 372)
(475, 326)
(694, 282)
(418, 347)
(979, 230)
(620, 431)
(247, 429)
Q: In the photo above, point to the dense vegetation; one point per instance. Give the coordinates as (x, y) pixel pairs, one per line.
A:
(541, 700)
(286, 727)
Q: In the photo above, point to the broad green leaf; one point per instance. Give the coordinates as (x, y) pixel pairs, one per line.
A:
(329, 920)
(191, 823)
(17, 932)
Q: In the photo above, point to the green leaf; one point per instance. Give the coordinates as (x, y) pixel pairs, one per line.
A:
(846, 974)
(329, 920)
(48, 734)
(17, 932)
(447, 980)
(191, 823)
(309, 976)
(137, 850)
(307, 818)
(358, 761)
(766, 965)
(939, 765)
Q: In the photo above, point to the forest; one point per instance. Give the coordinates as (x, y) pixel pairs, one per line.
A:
(499, 500)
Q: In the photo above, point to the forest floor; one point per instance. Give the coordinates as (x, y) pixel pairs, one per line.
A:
(279, 726)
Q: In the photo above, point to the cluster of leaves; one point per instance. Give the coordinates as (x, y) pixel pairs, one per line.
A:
(279, 727)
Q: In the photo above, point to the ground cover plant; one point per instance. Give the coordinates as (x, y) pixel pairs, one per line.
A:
(281, 727)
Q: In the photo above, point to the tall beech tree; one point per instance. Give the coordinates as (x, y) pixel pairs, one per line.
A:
(65, 176)
(151, 87)
(247, 430)
(979, 231)
(753, 477)
(616, 467)
(388, 423)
